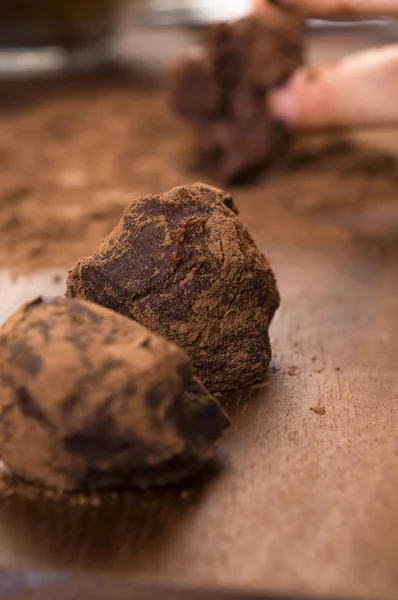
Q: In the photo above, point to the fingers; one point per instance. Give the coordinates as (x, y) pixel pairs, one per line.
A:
(273, 12)
(339, 9)
(359, 90)
(260, 5)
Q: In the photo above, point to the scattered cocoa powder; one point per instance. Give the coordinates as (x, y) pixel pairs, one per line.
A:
(91, 400)
(184, 265)
(74, 152)
(363, 177)
(71, 154)
(221, 92)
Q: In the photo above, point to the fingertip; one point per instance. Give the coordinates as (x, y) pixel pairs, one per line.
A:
(308, 99)
(281, 105)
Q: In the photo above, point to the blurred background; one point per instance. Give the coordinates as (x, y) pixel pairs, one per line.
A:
(45, 37)
(85, 127)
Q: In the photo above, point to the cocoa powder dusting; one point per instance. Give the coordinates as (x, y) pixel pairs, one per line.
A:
(184, 265)
(91, 400)
(74, 152)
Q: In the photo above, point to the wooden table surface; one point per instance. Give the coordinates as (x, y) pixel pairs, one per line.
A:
(31, 585)
(301, 501)
(303, 498)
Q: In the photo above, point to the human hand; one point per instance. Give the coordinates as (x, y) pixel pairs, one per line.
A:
(361, 89)
(335, 9)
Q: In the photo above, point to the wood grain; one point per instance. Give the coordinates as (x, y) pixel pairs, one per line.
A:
(300, 501)
(303, 497)
(63, 586)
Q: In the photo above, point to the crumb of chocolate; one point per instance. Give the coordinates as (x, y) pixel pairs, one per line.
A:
(221, 92)
(318, 410)
(92, 400)
(184, 265)
(292, 370)
(57, 278)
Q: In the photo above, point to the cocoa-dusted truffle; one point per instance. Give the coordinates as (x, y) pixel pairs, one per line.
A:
(220, 89)
(184, 265)
(91, 400)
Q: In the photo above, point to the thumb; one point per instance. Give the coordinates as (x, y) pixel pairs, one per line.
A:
(361, 89)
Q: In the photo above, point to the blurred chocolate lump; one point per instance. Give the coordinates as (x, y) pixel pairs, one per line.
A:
(221, 88)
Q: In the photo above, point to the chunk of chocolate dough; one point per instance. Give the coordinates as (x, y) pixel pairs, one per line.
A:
(221, 88)
(92, 400)
(184, 265)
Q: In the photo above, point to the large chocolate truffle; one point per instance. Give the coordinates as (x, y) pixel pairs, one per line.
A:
(221, 91)
(91, 400)
(185, 266)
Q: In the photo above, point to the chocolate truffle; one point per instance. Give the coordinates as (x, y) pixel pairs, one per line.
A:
(92, 400)
(184, 265)
(221, 88)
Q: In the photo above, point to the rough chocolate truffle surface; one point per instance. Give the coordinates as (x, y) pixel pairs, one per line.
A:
(220, 90)
(184, 265)
(91, 400)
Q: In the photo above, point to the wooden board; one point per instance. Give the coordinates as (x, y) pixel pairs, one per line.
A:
(302, 501)
(64, 586)
(303, 498)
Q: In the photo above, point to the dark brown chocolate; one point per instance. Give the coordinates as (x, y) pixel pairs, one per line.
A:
(185, 266)
(221, 91)
(91, 400)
